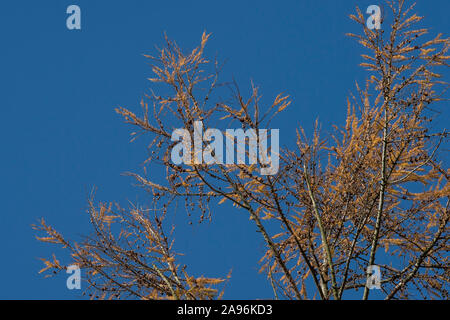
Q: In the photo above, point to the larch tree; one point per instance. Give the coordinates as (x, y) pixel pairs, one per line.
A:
(376, 192)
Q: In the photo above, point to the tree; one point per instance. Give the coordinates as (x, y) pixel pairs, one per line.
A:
(376, 190)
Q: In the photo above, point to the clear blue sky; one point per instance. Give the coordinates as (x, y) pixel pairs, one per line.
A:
(59, 134)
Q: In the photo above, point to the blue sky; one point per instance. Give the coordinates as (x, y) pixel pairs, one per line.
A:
(59, 134)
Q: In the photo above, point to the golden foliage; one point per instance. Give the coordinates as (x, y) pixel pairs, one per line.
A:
(377, 181)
